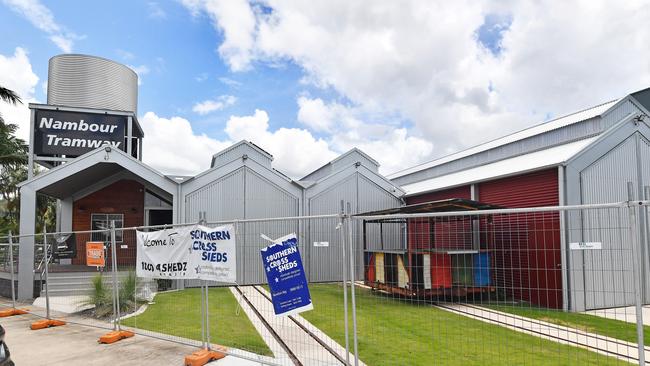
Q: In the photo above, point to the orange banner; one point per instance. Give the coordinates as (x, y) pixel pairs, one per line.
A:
(95, 254)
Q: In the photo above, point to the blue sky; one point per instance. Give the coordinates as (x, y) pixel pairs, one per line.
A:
(179, 51)
(309, 80)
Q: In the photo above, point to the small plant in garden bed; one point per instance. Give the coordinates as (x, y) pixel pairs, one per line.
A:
(101, 296)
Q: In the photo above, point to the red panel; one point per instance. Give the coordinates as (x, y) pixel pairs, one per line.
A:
(440, 270)
(446, 235)
(527, 246)
(527, 190)
(457, 192)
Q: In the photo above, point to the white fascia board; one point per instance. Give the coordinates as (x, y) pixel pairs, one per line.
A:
(98, 156)
(541, 159)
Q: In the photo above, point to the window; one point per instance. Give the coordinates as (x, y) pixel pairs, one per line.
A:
(103, 222)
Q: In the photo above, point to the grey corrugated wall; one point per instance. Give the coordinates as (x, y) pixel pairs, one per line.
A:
(607, 274)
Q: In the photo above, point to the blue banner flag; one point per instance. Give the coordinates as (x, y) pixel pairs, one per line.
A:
(286, 276)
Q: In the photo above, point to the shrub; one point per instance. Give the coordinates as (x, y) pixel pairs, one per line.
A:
(127, 291)
(100, 297)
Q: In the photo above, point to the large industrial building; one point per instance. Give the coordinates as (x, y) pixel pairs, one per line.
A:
(582, 158)
(89, 138)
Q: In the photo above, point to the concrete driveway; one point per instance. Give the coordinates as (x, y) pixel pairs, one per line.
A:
(77, 345)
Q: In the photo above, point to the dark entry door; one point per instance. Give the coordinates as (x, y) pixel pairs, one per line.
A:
(160, 217)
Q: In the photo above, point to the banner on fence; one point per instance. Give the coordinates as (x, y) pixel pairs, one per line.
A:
(164, 253)
(192, 252)
(286, 276)
(213, 253)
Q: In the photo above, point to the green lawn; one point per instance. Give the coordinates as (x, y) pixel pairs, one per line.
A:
(393, 332)
(585, 322)
(178, 313)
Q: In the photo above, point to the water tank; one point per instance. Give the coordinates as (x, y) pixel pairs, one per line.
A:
(91, 82)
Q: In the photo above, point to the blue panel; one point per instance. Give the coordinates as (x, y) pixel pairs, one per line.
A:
(482, 269)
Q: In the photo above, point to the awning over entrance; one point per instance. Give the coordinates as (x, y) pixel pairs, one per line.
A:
(74, 180)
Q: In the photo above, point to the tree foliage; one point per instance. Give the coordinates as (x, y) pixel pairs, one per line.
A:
(13, 170)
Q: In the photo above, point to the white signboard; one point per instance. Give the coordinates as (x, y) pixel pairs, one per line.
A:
(163, 254)
(321, 243)
(586, 245)
(213, 253)
(193, 252)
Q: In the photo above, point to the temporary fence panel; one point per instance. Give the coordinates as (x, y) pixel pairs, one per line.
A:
(480, 287)
(500, 301)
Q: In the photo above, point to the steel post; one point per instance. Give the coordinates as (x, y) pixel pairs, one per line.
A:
(11, 268)
(345, 285)
(636, 266)
(47, 270)
(352, 279)
(207, 316)
(116, 289)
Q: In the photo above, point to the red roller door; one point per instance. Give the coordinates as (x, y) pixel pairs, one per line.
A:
(527, 246)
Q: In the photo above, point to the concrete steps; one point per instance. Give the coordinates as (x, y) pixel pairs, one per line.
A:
(80, 283)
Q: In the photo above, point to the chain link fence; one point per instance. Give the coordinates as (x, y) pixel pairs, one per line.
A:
(455, 285)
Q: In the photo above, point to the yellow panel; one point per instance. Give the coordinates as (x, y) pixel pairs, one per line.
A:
(379, 267)
(402, 275)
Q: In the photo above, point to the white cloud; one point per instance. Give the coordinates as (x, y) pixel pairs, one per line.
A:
(295, 151)
(160, 149)
(230, 82)
(16, 74)
(124, 54)
(422, 61)
(140, 70)
(393, 147)
(236, 19)
(64, 43)
(155, 11)
(212, 105)
(42, 18)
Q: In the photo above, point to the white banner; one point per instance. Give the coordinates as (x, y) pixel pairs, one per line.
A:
(192, 252)
(164, 253)
(214, 255)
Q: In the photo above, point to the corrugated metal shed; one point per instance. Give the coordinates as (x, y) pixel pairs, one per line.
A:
(352, 182)
(520, 136)
(242, 184)
(581, 158)
(523, 163)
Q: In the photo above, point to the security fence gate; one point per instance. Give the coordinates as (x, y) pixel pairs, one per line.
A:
(455, 282)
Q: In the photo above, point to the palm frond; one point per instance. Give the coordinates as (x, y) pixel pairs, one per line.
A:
(9, 96)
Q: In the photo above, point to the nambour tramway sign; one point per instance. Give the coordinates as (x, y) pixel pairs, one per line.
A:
(70, 134)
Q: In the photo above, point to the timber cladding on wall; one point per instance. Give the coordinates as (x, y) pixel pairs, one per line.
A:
(122, 197)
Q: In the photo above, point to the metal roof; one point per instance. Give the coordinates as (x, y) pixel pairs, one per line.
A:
(446, 205)
(537, 160)
(517, 136)
(320, 172)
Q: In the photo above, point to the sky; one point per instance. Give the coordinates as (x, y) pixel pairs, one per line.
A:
(404, 81)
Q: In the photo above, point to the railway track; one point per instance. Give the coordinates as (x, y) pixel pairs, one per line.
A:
(516, 322)
(297, 357)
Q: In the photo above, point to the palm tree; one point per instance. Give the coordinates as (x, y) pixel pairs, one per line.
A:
(9, 96)
(13, 151)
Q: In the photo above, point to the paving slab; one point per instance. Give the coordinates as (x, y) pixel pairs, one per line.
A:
(72, 345)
